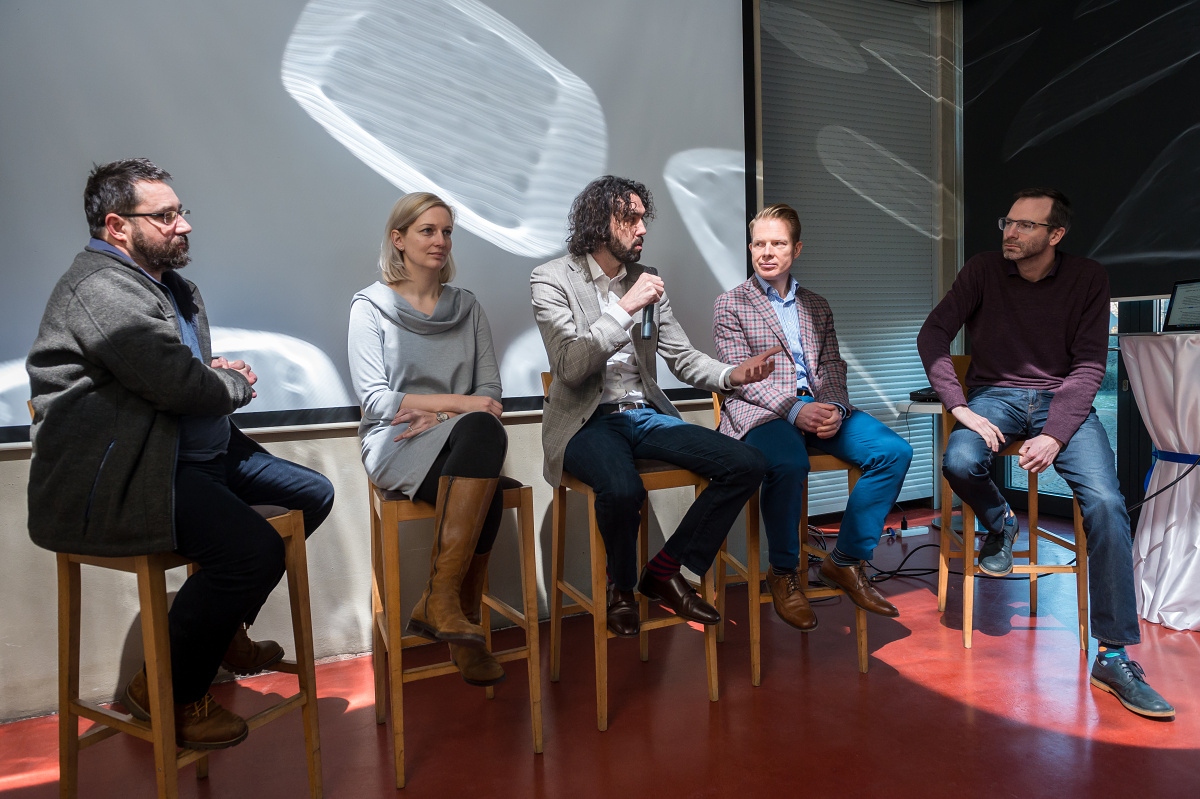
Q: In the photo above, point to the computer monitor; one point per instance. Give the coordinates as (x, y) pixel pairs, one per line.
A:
(1183, 313)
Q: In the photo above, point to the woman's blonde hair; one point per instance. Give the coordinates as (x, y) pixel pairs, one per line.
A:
(404, 213)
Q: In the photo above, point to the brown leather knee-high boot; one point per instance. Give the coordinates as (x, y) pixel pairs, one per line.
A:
(477, 666)
(462, 506)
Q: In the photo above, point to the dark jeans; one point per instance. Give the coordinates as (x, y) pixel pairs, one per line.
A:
(602, 455)
(1087, 464)
(863, 441)
(475, 448)
(240, 555)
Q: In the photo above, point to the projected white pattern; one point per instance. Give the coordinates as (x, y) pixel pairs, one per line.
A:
(879, 177)
(450, 97)
(708, 186)
(810, 39)
(291, 373)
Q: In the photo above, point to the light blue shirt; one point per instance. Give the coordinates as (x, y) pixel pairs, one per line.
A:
(789, 320)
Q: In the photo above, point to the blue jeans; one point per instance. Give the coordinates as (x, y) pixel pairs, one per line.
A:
(1087, 464)
(241, 557)
(602, 455)
(862, 440)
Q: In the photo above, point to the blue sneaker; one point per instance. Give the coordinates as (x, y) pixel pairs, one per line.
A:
(995, 556)
(1114, 672)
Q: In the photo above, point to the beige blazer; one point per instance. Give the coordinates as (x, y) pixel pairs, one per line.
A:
(580, 339)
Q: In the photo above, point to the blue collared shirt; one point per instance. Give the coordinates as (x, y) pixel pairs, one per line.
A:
(789, 320)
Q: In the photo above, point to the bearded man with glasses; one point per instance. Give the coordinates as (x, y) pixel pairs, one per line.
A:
(134, 451)
(1037, 319)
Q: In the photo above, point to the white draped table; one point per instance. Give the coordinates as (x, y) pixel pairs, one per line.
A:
(1164, 373)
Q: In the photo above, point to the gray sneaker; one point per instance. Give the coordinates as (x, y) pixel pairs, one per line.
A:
(995, 556)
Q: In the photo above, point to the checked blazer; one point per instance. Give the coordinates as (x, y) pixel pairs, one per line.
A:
(745, 324)
(580, 339)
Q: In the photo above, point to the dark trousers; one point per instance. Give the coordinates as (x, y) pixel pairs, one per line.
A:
(602, 455)
(475, 448)
(240, 555)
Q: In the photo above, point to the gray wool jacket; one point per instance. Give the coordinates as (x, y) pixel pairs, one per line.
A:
(110, 376)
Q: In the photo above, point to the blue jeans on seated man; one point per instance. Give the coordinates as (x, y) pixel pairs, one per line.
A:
(602, 455)
(863, 441)
(240, 555)
(1088, 466)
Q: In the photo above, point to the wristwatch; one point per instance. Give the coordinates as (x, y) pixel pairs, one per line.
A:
(442, 416)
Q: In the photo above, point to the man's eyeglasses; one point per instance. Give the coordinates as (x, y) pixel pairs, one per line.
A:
(1023, 225)
(167, 218)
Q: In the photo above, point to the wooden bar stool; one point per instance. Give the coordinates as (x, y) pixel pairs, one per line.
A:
(730, 567)
(955, 545)
(655, 475)
(388, 509)
(160, 730)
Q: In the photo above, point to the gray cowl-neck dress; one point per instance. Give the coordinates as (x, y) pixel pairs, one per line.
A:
(395, 349)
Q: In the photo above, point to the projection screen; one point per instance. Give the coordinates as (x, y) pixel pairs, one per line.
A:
(292, 127)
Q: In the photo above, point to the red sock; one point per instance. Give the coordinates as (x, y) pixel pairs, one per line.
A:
(663, 566)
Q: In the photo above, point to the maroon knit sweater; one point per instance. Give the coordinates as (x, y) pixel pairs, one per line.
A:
(1050, 335)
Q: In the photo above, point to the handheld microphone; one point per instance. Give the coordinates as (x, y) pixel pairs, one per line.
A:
(648, 311)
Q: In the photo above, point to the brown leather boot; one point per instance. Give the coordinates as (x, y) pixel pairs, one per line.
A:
(202, 724)
(462, 505)
(476, 665)
(246, 657)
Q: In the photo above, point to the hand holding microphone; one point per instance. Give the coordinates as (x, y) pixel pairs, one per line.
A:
(642, 295)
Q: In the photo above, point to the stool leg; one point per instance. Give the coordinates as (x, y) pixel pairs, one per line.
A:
(390, 543)
(485, 621)
(68, 677)
(533, 661)
(1033, 543)
(152, 593)
(599, 616)
(710, 637)
(860, 635)
(754, 590)
(944, 548)
(306, 674)
(1081, 574)
(558, 531)
(968, 537)
(378, 614)
(643, 550)
(722, 570)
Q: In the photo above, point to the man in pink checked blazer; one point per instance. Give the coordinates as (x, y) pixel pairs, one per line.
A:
(802, 404)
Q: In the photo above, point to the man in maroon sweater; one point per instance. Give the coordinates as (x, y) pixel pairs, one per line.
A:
(1037, 319)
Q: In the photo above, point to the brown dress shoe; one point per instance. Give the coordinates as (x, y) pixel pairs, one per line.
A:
(246, 657)
(202, 724)
(853, 580)
(791, 604)
(623, 616)
(679, 596)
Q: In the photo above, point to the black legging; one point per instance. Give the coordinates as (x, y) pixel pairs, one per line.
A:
(476, 448)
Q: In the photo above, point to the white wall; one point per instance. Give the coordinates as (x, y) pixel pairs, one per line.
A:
(338, 559)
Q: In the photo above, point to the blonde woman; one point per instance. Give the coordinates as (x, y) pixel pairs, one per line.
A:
(424, 369)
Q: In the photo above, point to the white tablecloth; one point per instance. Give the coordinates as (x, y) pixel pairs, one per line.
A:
(1164, 373)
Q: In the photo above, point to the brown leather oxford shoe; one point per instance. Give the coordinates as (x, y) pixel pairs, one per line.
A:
(680, 596)
(789, 600)
(623, 618)
(853, 580)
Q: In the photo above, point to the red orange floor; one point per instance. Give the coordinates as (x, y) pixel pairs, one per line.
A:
(1011, 717)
